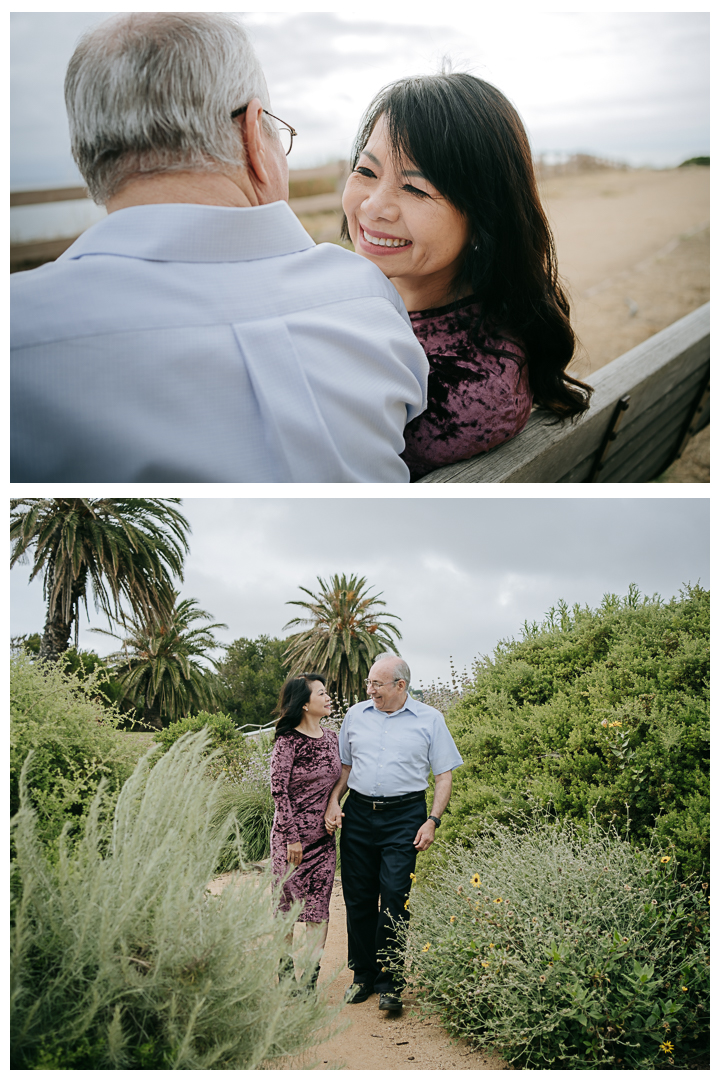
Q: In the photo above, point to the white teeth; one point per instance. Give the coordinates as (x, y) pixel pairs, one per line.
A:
(379, 241)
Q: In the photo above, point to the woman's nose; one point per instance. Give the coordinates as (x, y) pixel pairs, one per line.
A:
(381, 204)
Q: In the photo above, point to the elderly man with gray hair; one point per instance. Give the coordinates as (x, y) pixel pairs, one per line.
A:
(388, 747)
(197, 333)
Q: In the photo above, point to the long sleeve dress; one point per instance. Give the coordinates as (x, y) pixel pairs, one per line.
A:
(478, 388)
(303, 772)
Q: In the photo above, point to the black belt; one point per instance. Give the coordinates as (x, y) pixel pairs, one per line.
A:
(387, 802)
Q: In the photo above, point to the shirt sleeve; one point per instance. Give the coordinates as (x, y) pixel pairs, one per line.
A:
(344, 742)
(281, 766)
(444, 754)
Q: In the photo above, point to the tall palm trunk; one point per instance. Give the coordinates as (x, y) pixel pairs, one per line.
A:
(57, 630)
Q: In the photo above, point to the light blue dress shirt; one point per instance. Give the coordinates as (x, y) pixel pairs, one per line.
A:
(210, 344)
(394, 753)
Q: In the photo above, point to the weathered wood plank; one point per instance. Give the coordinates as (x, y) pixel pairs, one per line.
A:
(545, 453)
(47, 195)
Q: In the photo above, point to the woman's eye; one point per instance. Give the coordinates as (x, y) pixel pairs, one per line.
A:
(364, 171)
(416, 191)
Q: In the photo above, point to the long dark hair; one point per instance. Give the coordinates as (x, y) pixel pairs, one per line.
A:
(470, 143)
(294, 694)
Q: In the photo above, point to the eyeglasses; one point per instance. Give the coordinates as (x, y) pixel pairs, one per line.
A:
(286, 133)
(377, 685)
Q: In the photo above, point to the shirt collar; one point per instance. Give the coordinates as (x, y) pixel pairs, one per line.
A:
(187, 232)
(410, 705)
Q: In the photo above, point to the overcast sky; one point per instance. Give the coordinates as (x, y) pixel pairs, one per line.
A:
(628, 85)
(460, 573)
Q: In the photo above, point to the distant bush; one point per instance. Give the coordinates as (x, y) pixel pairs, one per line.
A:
(222, 730)
(604, 711)
(565, 952)
(58, 716)
(121, 959)
(695, 161)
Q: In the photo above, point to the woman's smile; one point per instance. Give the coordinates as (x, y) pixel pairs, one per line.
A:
(376, 239)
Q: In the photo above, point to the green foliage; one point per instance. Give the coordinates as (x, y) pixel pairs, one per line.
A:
(565, 952)
(120, 548)
(252, 807)
(121, 958)
(159, 668)
(344, 634)
(253, 672)
(695, 161)
(603, 711)
(58, 715)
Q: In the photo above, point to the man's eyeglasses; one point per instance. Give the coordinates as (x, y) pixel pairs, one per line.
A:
(376, 685)
(286, 133)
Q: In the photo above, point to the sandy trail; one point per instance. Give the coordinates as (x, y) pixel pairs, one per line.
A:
(374, 1039)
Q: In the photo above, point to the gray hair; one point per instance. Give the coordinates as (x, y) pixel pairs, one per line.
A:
(401, 670)
(152, 93)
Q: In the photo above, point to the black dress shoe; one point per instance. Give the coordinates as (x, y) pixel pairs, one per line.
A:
(357, 992)
(391, 1002)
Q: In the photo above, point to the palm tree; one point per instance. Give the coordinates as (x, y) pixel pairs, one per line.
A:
(158, 665)
(126, 548)
(344, 634)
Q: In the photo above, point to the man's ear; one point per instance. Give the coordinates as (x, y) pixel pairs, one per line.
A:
(255, 140)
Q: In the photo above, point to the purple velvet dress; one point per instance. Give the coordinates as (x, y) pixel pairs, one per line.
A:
(303, 772)
(478, 389)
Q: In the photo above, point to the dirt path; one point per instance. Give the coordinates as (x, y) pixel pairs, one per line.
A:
(374, 1039)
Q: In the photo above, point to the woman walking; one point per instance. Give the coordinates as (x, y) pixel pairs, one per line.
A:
(304, 768)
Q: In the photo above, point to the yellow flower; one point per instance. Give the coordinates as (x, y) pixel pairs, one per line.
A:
(475, 880)
(454, 917)
(426, 947)
(405, 905)
(486, 963)
(665, 858)
(491, 945)
(498, 901)
(412, 877)
(683, 987)
(667, 1047)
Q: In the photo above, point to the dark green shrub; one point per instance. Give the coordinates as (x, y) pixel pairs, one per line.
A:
(253, 672)
(122, 959)
(59, 716)
(603, 711)
(565, 952)
(222, 731)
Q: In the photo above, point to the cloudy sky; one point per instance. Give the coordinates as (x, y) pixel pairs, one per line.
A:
(460, 573)
(626, 85)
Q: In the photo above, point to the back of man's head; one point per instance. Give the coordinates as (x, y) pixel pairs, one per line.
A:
(153, 93)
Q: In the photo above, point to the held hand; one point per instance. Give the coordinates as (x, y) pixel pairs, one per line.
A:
(333, 818)
(425, 836)
(294, 853)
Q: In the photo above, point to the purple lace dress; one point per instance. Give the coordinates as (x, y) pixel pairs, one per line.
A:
(303, 772)
(478, 389)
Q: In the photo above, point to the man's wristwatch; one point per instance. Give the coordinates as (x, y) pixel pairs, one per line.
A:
(435, 819)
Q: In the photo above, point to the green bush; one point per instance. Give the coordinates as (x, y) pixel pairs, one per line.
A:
(603, 711)
(565, 952)
(121, 958)
(58, 716)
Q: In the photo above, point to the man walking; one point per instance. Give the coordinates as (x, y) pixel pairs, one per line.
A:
(388, 746)
(197, 333)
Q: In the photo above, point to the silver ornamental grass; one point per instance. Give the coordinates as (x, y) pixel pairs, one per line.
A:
(121, 949)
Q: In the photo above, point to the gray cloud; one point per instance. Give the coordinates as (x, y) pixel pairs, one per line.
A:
(461, 573)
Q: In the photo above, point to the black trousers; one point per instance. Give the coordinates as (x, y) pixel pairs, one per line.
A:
(377, 858)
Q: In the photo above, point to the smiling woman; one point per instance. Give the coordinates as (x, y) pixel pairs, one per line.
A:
(442, 197)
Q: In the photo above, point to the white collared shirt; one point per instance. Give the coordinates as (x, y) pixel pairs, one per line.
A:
(394, 753)
(210, 344)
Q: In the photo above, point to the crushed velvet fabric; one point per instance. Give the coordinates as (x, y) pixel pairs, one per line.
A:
(303, 772)
(478, 389)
